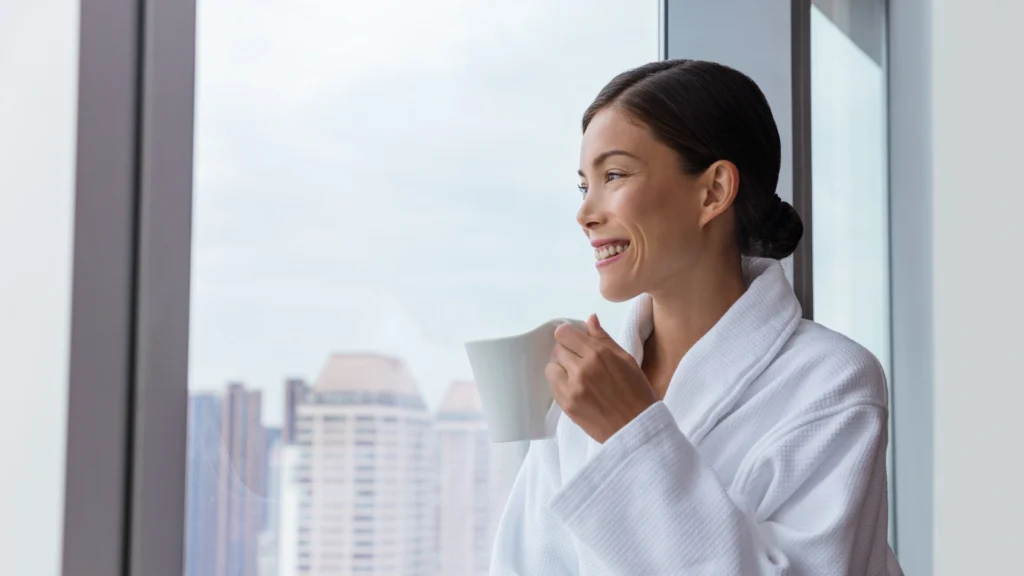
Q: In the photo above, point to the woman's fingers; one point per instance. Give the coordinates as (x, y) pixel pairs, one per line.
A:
(566, 358)
(573, 339)
(556, 373)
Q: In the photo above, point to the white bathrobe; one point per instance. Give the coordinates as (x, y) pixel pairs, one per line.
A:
(767, 456)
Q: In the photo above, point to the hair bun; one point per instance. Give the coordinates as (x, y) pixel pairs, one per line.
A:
(780, 234)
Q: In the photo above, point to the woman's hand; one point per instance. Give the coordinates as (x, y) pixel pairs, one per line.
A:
(595, 381)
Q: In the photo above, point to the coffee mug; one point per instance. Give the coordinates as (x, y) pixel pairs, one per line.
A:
(514, 391)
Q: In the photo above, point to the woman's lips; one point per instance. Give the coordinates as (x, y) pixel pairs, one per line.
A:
(608, 253)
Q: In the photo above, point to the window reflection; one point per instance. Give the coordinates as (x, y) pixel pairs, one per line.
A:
(375, 184)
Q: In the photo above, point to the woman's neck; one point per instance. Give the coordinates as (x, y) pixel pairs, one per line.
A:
(684, 312)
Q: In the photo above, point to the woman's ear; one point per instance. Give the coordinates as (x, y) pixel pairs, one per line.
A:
(722, 180)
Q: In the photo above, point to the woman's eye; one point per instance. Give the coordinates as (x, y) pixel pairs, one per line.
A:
(583, 189)
(613, 176)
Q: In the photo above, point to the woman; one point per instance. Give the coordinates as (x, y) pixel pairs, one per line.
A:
(726, 435)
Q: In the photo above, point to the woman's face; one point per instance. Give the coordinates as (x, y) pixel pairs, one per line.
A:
(642, 213)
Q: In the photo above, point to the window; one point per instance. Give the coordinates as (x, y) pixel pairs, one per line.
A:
(375, 184)
(850, 176)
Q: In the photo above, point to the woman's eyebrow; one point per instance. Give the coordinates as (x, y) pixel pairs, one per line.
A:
(600, 158)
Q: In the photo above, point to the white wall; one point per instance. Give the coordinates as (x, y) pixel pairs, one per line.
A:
(38, 102)
(978, 125)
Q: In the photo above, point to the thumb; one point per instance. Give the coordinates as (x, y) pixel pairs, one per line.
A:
(595, 329)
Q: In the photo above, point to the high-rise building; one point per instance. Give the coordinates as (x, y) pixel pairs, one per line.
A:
(475, 480)
(241, 498)
(268, 537)
(271, 472)
(364, 477)
(294, 390)
(465, 460)
(203, 473)
(291, 492)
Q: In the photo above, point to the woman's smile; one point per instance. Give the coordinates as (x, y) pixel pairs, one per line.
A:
(607, 252)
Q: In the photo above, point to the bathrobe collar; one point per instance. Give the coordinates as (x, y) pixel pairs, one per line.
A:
(721, 365)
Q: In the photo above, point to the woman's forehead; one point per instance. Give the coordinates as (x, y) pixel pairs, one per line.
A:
(613, 129)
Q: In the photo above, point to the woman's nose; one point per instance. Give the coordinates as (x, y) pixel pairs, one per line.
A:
(588, 215)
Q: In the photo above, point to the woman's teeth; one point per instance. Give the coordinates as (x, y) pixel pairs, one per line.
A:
(609, 250)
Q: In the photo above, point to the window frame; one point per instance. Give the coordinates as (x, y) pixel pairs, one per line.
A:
(128, 366)
(102, 301)
(908, 49)
(158, 431)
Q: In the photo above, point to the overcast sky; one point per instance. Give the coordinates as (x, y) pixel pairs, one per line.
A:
(394, 176)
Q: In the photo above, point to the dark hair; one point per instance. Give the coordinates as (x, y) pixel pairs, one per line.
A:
(708, 112)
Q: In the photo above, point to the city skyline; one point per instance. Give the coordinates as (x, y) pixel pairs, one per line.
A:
(279, 422)
(429, 478)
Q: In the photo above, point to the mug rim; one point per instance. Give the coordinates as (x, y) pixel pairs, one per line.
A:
(559, 321)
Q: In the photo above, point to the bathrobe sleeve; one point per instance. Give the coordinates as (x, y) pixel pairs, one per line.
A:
(529, 541)
(807, 502)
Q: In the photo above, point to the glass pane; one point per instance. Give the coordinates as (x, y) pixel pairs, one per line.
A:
(377, 183)
(38, 131)
(850, 174)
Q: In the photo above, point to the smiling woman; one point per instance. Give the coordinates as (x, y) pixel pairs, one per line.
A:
(725, 434)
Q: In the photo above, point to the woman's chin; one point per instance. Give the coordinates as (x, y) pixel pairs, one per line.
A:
(614, 290)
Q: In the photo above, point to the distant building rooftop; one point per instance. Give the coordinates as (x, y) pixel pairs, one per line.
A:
(348, 378)
(462, 402)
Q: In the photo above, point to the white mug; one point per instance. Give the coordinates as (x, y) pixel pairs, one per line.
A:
(514, 391)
